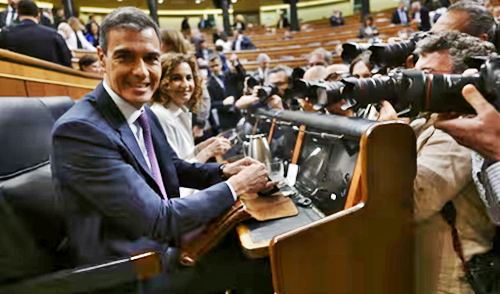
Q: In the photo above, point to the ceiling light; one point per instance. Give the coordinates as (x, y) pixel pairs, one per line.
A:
(198, 1)
(160, 1)
(234, 1)
(120, 0)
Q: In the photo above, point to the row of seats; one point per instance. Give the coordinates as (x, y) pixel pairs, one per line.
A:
(33, 255)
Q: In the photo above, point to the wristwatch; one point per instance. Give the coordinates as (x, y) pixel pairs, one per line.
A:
(221, 170)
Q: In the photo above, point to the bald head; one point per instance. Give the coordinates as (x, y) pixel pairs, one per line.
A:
(334, 72)
(315, 73)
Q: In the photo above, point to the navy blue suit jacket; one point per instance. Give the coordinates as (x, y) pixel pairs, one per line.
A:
(22, 37)
(113, 205)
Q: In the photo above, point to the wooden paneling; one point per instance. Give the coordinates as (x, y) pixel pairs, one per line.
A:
(41, 89)
(27, 76)
(12, 87)
(368, 248)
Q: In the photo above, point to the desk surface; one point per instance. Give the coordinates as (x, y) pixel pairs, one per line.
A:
(255, 236)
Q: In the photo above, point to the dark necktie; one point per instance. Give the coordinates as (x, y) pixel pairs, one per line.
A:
(78, 42)
(148, 142)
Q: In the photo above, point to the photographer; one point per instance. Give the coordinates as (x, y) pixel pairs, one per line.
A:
(481, 134)
(279, 78)
(467, 17)
(444, 196)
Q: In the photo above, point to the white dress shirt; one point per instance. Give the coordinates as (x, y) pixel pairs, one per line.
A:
(131, 114)
(73, 44)
(11, 16)
(487, 180)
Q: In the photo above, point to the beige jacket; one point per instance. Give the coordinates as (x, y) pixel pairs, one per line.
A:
(444, 174)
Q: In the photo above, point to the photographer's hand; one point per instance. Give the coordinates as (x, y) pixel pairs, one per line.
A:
(388, 113)
(275, 101)
(228, 101)
(480, 133)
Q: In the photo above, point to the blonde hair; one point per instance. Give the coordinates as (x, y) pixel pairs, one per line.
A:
(75, 24)
(169, 63)
(174, 40)
(240, 18)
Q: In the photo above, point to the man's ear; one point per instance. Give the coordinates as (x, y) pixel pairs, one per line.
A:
(102, 57)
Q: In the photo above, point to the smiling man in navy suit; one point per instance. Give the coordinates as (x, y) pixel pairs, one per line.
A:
(118, 179)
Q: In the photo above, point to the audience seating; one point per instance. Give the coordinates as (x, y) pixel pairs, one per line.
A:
(33, 255)
(24, 76)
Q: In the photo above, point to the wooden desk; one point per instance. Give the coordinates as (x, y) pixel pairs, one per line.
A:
(369, 246)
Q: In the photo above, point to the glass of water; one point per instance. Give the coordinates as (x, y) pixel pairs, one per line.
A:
(276, 171)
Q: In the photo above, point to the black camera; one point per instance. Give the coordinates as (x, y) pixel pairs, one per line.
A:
(252, 82)
(407, 90)
(319, 93)
(395, 54)
(383, 55)
(266, 92)
(351, 50)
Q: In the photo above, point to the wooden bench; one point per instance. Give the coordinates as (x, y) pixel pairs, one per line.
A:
(24, 76)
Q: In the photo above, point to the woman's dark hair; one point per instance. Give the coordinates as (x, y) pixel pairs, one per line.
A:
(368, 17)
(86, 60)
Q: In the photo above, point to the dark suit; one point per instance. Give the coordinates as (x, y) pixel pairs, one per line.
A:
(336, 20)
(111, 199)
(283, 23)
(228, 115)
(185, 25)
(3, 18)
(425, 22)
(396, 19)
(246, 43)
(37, 41)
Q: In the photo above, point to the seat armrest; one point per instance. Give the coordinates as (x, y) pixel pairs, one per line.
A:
(91, 278)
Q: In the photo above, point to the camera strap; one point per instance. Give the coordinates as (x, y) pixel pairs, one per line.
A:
(449, 213)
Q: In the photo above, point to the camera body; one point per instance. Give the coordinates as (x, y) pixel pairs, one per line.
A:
(408, 90)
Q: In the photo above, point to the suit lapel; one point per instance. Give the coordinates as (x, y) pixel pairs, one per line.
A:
(113, 115)
(164, 155)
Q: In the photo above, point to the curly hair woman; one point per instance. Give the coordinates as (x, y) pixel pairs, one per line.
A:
(176, 99)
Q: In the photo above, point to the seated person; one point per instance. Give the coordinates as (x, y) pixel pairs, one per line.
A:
(279, 78)
(444, 176)
(336, 18)
(178, 94)
(118, 179)
(31, 39)
(368, 29)
(90, 63)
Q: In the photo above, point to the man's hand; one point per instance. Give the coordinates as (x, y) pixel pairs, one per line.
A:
(388, 113)
(228, 101)
(205, 143)
(219, 146)
(480, 133)
(231, 169)
(275, 101)
(251, 179)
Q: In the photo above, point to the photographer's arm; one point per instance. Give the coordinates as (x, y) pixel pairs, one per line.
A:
(480, 133)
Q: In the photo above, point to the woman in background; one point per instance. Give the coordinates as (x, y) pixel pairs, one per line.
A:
(173, 103)
(76, 39)
(93, 34)
(368, 29)
(172, 40)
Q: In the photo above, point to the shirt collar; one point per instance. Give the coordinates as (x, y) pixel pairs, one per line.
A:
(130, 113)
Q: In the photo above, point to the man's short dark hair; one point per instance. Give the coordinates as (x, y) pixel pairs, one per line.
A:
(363, 57)
(461, 46)
(86, 60)
(126, 18)
(27, 8)
(480, 20)
(214, 56)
